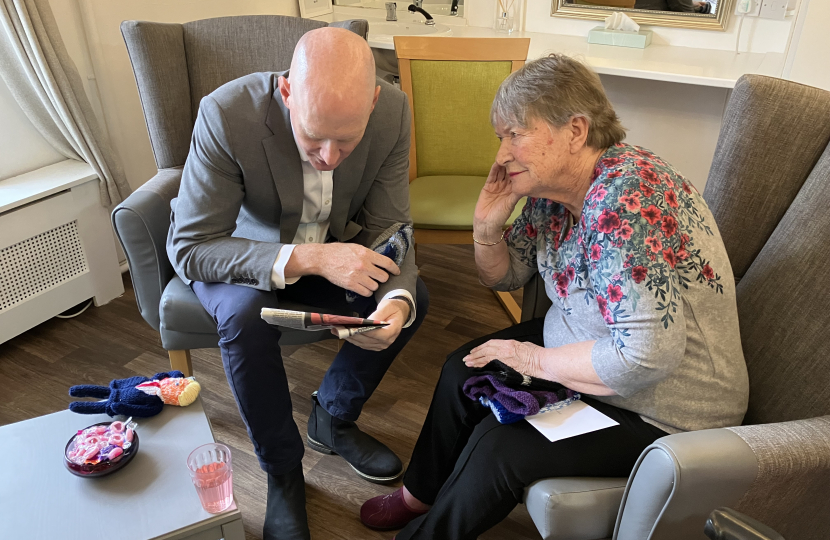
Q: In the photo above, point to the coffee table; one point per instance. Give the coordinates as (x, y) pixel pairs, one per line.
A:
(150, 498)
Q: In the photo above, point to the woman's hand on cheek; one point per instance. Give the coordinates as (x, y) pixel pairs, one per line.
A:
(522, 356)
(495, 203)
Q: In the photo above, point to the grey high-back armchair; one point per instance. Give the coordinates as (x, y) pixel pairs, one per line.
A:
(175, 66)
(769, 190)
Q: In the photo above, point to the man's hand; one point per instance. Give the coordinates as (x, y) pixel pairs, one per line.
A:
(351, 266)
(522, 356)
(393, 311)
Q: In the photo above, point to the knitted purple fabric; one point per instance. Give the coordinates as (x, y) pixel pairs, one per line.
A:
(526, 402)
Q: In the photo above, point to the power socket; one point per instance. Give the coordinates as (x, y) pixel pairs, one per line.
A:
(752, 7)
(773, 9)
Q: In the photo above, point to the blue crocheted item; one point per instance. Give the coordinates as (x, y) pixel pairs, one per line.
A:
(502, 415)
(394, 243)
(122, 397)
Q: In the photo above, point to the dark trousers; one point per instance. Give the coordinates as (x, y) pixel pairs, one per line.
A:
(474, 470)
(253, 362)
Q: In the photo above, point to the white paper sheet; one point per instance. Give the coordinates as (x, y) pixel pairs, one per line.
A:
(575, 419)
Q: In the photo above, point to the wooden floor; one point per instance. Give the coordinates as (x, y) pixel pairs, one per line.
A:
(38, 367)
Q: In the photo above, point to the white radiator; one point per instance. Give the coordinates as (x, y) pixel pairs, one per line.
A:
(57, 248)
(40, 263)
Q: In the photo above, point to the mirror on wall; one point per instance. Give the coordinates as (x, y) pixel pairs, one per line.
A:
(703, 14)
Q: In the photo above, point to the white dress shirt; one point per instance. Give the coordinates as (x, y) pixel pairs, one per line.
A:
(314, 226)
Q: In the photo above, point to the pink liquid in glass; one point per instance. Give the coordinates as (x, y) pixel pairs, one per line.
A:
(212, 473)
(214, 484)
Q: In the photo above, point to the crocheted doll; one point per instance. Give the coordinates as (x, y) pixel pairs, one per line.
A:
(140, 397)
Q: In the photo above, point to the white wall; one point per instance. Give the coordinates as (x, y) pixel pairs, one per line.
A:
(22, 147)
(679, 122)
(808, 61)
(757, 35)
(100, 20)
(71, 26)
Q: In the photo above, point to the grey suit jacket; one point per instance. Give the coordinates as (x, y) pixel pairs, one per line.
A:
(241, 196)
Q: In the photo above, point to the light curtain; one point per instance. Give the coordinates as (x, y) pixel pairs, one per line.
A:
(46, 84)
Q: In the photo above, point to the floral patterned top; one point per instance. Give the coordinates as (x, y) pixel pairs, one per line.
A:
(644, 272)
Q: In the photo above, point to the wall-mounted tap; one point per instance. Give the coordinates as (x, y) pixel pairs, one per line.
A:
(413, 8)
(454, 8)
(391, 11)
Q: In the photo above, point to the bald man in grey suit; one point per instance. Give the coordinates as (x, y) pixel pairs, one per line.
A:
(289, 178)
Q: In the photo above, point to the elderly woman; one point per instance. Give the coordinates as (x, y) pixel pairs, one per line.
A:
(643, 324)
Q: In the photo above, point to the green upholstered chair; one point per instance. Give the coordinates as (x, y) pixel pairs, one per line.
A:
(451, 83)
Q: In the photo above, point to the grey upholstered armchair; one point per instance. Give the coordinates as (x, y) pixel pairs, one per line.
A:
(769, 189)
(175, 66)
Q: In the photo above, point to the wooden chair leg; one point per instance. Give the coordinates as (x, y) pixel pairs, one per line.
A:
(180, 360)
(510, 306)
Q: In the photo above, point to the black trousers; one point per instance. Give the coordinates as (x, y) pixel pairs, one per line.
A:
(474, 470)
(252, 360)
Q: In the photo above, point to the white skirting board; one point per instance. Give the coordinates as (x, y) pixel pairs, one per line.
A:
(57, 248)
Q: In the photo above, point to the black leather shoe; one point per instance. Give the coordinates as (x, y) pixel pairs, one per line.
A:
(285, 514)
(369, 457)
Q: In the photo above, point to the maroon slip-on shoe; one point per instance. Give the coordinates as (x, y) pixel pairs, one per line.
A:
(387, 512)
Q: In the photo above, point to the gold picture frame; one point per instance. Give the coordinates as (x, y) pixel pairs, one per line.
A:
(718, 21)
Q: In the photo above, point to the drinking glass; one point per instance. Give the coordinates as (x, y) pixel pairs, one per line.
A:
(211, 470)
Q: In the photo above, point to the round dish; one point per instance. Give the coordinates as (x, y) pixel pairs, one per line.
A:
(104, 467)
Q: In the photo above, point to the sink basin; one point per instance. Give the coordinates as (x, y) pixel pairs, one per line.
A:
(383, 32)
(441, 9)
(432, 9)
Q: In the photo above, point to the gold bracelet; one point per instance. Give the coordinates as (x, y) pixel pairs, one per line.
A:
(487, 244)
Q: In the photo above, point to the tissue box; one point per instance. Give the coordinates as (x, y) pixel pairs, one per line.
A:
(637, 40)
